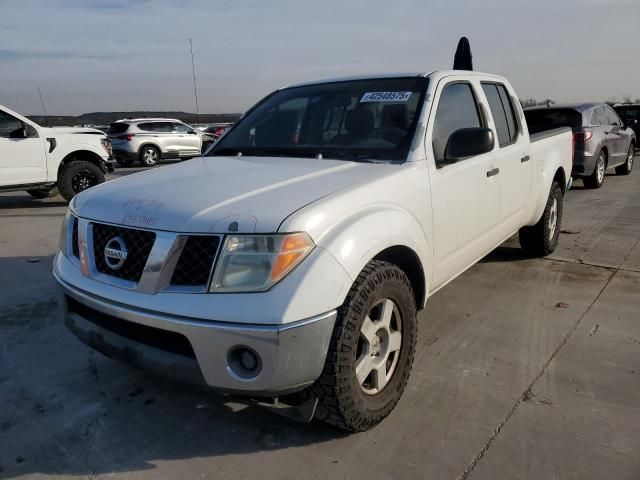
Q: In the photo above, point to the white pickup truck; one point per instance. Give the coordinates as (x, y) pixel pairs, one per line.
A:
(44, 161)
(295, 255)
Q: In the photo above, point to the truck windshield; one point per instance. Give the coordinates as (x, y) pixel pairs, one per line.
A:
(349, 120)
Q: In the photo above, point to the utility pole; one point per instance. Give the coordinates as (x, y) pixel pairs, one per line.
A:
(43, 109)
(195, 86)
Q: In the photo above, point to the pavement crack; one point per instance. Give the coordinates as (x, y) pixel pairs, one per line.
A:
(527, 395)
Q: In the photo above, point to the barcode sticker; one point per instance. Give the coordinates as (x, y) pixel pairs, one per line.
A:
(385, 97)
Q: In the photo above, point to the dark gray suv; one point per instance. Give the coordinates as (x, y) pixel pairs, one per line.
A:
(601, 139)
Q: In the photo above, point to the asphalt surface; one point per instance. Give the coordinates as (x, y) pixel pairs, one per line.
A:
(525, 369)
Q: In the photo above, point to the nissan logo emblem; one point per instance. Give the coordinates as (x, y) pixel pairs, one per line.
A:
(115, 253)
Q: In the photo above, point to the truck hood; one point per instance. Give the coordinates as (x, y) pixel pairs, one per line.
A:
(74, 130)
(221, 194)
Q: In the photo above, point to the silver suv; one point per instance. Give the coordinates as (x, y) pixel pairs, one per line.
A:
(601, 139)
(150, 139)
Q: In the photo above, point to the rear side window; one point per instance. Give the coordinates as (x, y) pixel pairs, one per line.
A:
(596, 117)
(543, 119)
(116, 128)
(147, 127)
(498, 113)
(457, 109)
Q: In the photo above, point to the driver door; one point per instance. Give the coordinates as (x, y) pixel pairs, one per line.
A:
(466, 194)
(22, 159)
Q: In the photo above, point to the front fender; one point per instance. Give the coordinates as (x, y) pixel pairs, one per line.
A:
(358, 238)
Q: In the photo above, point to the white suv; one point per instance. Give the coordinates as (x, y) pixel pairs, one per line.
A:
(150, 139)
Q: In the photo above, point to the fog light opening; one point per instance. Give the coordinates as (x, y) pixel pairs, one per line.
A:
(244, 362)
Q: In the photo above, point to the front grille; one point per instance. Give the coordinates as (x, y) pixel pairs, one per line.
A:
(153, 337)
(75, 247)
(196, 260)
(138, 244)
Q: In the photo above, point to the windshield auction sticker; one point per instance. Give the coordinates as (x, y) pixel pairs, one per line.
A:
(385, 97)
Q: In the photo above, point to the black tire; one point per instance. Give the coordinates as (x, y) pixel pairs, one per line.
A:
(343, 400)
(628, 164)
(149, 156)
(44, 192)
(596, 179)
(77, 176)
(541, 239)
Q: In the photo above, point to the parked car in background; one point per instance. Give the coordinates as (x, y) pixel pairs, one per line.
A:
(44, 161)
(150, 139)
(601, 139)
(293, 257)
(630, 115)
(212, 133)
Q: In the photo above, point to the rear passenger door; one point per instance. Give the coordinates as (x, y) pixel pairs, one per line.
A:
(511, 155)
(465, 195)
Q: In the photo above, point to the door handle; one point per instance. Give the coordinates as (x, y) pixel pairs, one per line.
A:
(526, 158)
(493, 172)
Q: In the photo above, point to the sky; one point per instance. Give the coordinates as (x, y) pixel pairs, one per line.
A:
(124, 55)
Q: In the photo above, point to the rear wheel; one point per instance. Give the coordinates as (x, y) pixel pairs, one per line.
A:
(596, 179)
(371, 350)
(44, 192)
(542, 238)
(78, 176)
(628, 165)
(149, 156)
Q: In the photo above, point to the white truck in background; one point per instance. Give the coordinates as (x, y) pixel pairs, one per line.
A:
(43, 160)
(292, 259)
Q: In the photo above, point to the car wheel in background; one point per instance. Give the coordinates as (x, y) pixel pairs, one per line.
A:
(628, 165)
(44, 192)
(78, 176)
(149, 156)
(542, 238)
(596, 179)
(371, 350)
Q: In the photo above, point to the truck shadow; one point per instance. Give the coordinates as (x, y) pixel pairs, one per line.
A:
(71, 411)
(506, 253)
(19, 200)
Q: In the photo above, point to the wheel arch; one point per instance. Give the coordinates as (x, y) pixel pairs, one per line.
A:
(80, 155)
(149, 144)
(407, 260)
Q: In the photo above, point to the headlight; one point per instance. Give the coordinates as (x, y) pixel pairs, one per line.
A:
(253, 263)
(106, 144)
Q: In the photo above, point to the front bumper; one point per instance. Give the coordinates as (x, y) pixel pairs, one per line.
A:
(196, 350)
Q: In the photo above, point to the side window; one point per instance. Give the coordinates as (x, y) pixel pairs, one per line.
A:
(498, 113)
(595, 118)
(457, 109)
(10, 126)
(162, 127)
(612, 116)
(510, 111)
(147, 127)
(502, 111)
(180, 128)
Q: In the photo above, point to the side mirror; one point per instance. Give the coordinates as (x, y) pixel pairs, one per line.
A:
(468, 142)
(19, 132)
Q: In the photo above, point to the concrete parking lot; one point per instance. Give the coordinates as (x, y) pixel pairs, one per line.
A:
(525, 369)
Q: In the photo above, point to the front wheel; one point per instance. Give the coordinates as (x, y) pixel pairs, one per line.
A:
(77, 176)
(541, 239)
(371, 350)
(628, 165)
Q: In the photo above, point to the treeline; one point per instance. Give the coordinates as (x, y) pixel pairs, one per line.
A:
(105, 118)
